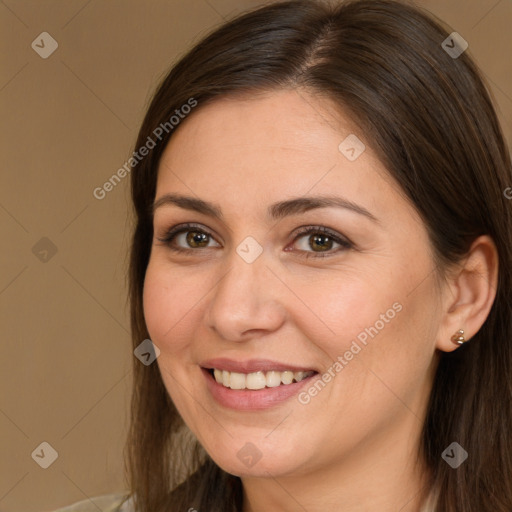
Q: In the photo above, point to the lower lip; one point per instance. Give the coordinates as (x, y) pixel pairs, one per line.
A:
(253, 400)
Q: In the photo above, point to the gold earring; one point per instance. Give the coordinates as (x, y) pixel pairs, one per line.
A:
(458, 337)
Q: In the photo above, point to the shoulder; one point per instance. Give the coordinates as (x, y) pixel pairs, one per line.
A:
(105, 503)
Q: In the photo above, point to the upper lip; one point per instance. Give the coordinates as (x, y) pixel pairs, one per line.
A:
(252, 365)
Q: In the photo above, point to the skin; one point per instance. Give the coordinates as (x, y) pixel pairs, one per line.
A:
(353, 446)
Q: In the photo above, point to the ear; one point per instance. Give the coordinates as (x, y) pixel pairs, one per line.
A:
(469, 294)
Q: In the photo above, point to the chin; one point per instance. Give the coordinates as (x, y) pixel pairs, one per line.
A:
(246, 464)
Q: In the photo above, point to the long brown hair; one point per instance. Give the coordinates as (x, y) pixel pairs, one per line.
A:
(430, 118)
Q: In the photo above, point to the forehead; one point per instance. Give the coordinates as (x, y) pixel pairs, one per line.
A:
(284, 119)
(264, 148)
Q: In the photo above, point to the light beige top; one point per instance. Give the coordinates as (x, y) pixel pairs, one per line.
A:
(114, 503)
(106, 503)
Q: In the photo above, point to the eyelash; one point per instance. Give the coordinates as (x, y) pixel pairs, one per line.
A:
(183, 228)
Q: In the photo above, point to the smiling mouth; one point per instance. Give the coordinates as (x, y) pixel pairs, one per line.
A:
(257, 380)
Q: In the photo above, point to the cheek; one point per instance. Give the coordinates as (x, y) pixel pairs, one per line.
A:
(169, 315)
(168, 306)
(347, 307)
(376, 320)
(156, 301)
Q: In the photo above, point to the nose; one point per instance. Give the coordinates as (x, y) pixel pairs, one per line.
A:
(245, 302)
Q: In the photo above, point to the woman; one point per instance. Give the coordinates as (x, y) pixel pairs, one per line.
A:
(321, 261)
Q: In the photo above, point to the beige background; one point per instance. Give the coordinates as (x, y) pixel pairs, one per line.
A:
(68, 123)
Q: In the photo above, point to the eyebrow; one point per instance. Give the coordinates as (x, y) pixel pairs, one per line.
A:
(275, 211)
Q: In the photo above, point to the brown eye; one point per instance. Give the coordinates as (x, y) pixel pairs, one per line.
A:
(186, 238)
(322, 242)
(319, 241)
(196, 238)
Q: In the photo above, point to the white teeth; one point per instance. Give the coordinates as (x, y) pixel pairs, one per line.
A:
(273, 379)
(287, 377)
(258, 380)
(237, 381)
(298, 376)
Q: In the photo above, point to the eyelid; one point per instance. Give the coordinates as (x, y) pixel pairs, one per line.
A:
(344, 242)
(172, 232)
(338, 237)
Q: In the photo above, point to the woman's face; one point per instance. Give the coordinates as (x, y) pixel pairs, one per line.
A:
(357, 302)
